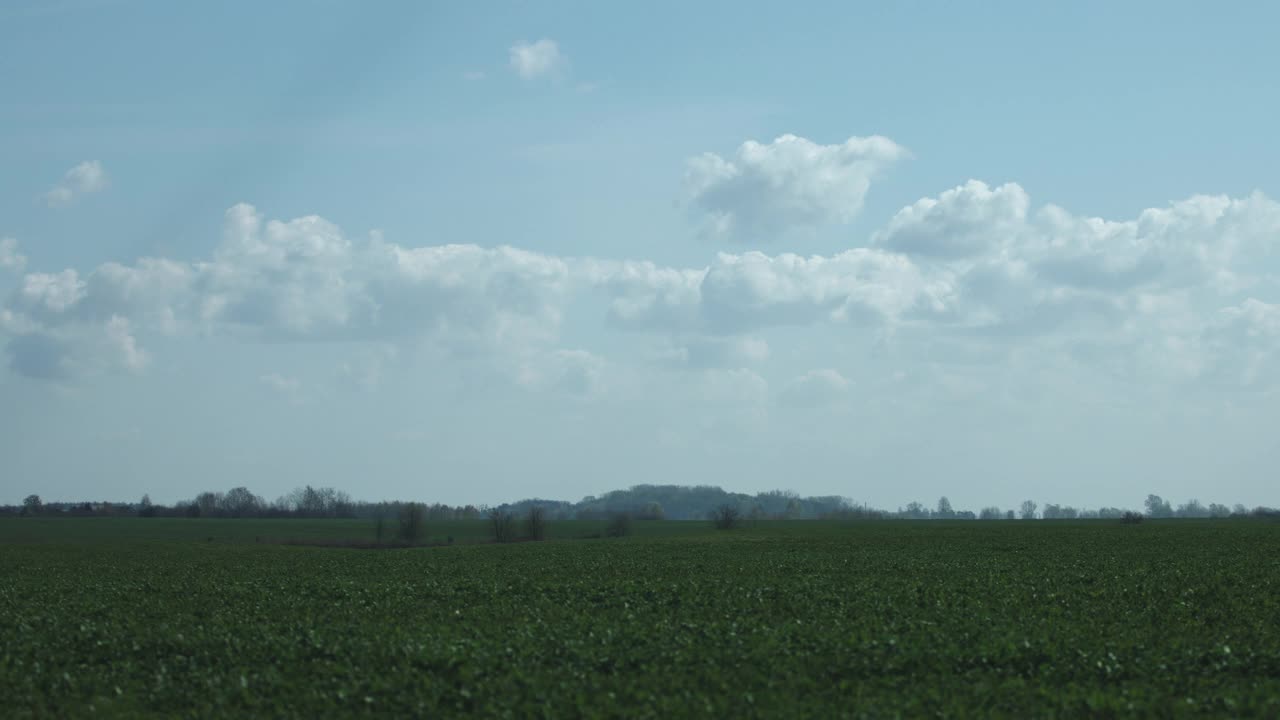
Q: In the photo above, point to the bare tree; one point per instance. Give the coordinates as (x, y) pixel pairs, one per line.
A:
(726, 517)
(411, 522)
(502, 524)
(535, 523)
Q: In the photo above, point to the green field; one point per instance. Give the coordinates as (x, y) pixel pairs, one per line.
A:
(134, 617)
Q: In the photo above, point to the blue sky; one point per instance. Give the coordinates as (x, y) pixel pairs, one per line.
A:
(470, 252)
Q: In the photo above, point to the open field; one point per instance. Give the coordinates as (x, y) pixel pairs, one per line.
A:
(131, 617)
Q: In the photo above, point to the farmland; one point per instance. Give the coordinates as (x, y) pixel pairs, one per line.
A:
(207, 618)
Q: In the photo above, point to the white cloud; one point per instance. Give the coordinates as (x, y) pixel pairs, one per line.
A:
(87, 177)
(740, 293)
(968, 220)
(1145, 288)
(975, 273)
(64, 352)
(124, 347)
(816, 387)
(767, 189)
(50, 293)
(302, 280)
(531, 60)
(1193, 241)
(10, 258)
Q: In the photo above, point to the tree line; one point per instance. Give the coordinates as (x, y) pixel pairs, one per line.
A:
(640, 502)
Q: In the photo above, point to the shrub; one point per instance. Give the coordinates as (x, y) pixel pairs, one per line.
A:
(726, 517)
(619, 525)
(1131, 518)
(535, 523)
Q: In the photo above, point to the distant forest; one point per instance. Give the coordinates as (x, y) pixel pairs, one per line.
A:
(642, 502)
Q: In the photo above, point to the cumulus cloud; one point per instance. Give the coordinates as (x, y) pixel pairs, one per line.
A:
(816, 387)
(10, 258)
(44, 294)
(298, 280)
(119, 337)
(304, 278)
(999, 267)
(1193, 241)
(972, 273)
(63, 352)
(741, 293)
(766, 189)
(87, 177)
(968, 220)
(536, 59)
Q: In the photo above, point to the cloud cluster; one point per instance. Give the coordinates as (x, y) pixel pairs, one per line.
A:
(87, 177)
(751, 291)
(1003, 264)
(976, 272)
(299, 280)
(765, 190)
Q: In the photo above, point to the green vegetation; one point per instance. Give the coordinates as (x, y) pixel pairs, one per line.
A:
(134, 617)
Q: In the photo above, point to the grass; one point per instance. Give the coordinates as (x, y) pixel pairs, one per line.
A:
(129, 617)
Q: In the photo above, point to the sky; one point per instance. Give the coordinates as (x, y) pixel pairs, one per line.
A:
(477, 252)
